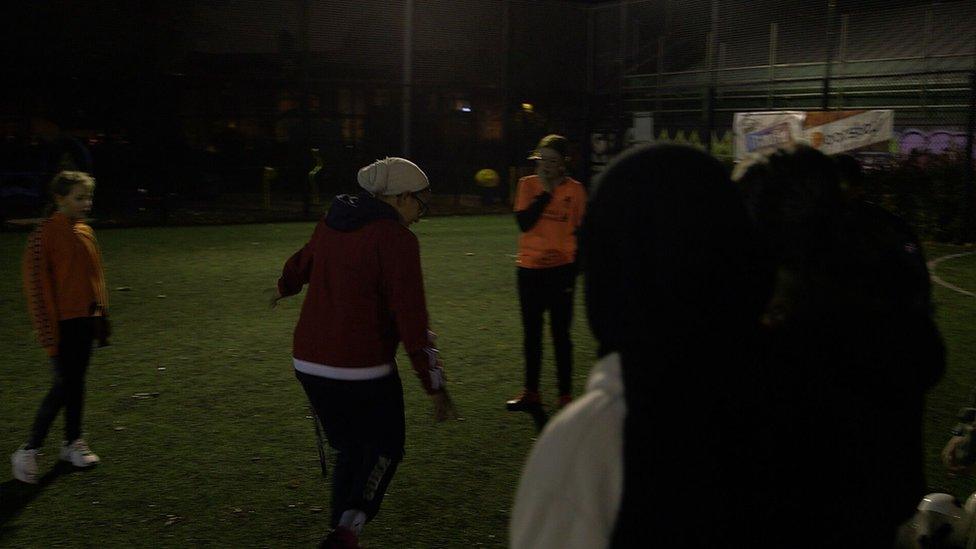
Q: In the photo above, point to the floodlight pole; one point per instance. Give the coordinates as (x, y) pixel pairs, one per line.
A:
(305, 107)
(407, 76)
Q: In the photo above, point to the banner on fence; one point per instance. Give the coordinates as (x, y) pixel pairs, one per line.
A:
(643, 128)
(829, 131)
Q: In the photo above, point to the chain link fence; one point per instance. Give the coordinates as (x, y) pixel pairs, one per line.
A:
(265, 109)
(691, 67)
(252, 110)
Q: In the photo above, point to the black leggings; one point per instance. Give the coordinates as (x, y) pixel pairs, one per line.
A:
(364, 422)
(68, 386)
(539, 290)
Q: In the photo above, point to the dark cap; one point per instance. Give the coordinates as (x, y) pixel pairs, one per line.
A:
(552, 141)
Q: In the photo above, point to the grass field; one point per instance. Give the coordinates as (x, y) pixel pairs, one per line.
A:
(956, 315)
(225, 454)
(204, 432)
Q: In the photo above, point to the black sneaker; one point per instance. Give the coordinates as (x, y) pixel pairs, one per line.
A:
(526, 400)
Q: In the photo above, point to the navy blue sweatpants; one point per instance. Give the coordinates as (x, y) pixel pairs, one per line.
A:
(364, 423)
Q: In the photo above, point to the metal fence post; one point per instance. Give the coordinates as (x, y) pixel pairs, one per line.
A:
(773, 38)
(970, 212)
(831, 5)
(842, 57)
(712, 64)
(660, 69)
(926, 54)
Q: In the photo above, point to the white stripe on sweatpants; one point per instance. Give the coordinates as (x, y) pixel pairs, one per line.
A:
(345, 374)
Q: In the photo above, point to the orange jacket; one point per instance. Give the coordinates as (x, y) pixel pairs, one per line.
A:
(551, 242)
(63, 276)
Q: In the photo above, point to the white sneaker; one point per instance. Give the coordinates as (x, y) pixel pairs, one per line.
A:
(24, 465)
(78, 454)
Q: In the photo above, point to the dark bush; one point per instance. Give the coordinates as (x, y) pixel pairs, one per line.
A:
(929, 192)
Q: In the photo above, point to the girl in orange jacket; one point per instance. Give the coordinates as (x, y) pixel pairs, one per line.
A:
(549, 208)
(65, 290)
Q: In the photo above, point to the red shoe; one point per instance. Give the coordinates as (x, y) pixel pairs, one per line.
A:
(564, 401)
(340, 538)
(525, 400)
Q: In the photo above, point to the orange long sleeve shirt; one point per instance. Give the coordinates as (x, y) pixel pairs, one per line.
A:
(63, 277)
(551, 242)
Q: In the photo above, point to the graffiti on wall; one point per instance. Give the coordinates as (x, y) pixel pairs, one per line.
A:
(933, 142)
(904, 142)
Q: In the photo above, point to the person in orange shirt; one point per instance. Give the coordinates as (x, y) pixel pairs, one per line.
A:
(549, 208)
(65, 289)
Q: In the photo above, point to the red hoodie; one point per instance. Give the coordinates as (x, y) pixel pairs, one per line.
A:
(365, 290)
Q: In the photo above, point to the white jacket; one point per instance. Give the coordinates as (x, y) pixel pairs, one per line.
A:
(570, 490)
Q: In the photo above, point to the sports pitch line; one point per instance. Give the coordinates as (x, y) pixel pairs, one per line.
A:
(932, 264)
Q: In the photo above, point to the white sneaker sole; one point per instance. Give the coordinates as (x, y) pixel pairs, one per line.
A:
(21, 475)
(82, 465)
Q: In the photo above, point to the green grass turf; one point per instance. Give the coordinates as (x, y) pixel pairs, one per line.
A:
(956, 316)
(225, 455)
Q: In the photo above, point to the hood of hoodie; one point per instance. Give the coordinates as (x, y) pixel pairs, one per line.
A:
(350, 212)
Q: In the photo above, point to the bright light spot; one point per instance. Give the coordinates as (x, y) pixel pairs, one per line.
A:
(528, 107)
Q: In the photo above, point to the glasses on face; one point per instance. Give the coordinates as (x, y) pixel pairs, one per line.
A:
(423, 205)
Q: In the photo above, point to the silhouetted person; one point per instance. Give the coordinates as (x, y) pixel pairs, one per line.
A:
(662, 449)
(851, 350)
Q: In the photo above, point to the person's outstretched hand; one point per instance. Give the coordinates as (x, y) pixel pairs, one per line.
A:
(273, 297)
(949, 457)
(443, 406)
